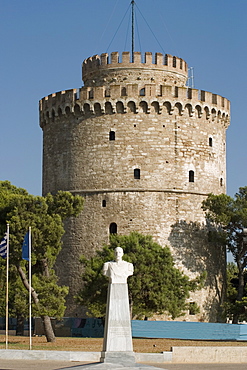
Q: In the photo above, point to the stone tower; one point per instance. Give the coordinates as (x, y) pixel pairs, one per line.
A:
(144, 151)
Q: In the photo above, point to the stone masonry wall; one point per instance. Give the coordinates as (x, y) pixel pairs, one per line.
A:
(143, 154)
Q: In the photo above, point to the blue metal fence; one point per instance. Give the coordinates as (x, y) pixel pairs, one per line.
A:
(188, 330)
(90, 327)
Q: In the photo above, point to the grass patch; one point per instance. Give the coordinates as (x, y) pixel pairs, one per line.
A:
(95, 344)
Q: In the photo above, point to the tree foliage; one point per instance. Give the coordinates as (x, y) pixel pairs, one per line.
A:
(230, 217)
(156, 286)
(232, 306)
(45, 215)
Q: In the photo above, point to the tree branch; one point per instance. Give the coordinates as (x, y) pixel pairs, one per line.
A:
(27, 286)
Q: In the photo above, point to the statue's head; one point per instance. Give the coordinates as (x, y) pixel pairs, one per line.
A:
(118, 253)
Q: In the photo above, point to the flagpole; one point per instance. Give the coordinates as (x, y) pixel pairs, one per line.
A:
(30, 290)
(7, 291)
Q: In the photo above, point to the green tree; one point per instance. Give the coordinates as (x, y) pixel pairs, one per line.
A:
(156, 286)
(229, 216)
(232, 306)
(45, 215)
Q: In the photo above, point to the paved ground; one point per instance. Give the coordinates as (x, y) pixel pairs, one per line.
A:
(55, 365)
(203, 366)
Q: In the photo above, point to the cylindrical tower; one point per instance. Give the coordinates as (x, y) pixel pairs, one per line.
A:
(144, 151)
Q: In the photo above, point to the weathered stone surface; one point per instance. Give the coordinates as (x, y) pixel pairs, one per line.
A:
(138, 116)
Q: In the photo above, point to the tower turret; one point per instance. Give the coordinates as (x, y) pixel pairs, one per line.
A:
(157, 69)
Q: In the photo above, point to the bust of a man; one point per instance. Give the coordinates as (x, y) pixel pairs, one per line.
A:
(118, 270)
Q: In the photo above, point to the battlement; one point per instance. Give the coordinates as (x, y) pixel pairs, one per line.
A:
(96, 101)
(154, 62)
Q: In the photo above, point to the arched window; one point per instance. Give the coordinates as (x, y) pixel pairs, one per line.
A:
(86, 108)
(178, 107)
(131, 107)
(77, 109)
(191, 176)
(120, 107)
(67, 110)
(108, 108)
(112, 135)
(168, 107)
(144, 106)
(210, 141)
(97, 109)
(198, 111)
(137, 173)
(113, 228)
(156, 107)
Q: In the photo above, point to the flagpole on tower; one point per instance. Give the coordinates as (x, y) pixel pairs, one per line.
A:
(7, 291)
(133, 29)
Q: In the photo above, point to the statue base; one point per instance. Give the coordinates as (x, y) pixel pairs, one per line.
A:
(120, 358)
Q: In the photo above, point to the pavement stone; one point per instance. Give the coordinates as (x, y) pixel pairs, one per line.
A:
(66, 365)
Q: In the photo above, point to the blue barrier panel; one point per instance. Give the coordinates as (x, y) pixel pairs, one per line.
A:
(188, 330)
(89, 327)
(243, 332)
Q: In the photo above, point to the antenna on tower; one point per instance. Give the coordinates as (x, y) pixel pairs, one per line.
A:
(190, 80)
(133, 29)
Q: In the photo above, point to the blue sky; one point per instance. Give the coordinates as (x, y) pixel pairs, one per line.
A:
(43, 44)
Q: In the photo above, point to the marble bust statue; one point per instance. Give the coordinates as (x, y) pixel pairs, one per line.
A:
(118, 270)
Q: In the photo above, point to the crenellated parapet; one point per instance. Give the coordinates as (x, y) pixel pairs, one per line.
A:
(100, 100)
(158, 67)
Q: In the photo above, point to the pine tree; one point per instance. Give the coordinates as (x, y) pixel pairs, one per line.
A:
(45, 215)
(156, 287)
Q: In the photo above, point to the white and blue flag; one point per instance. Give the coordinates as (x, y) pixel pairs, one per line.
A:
(3, 246)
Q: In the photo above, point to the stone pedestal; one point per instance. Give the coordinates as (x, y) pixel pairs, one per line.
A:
(117, 345)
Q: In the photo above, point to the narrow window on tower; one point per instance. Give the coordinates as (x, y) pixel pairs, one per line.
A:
(90, 94)
(221, 181)
(137, 173)
(112, 135)
(103, 203)
(113, 228)
(210, 141)
(142, 92)
(107, 93)
(191, 176)
(123, 91)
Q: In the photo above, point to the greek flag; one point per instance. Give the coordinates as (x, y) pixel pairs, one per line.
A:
(3, 246)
